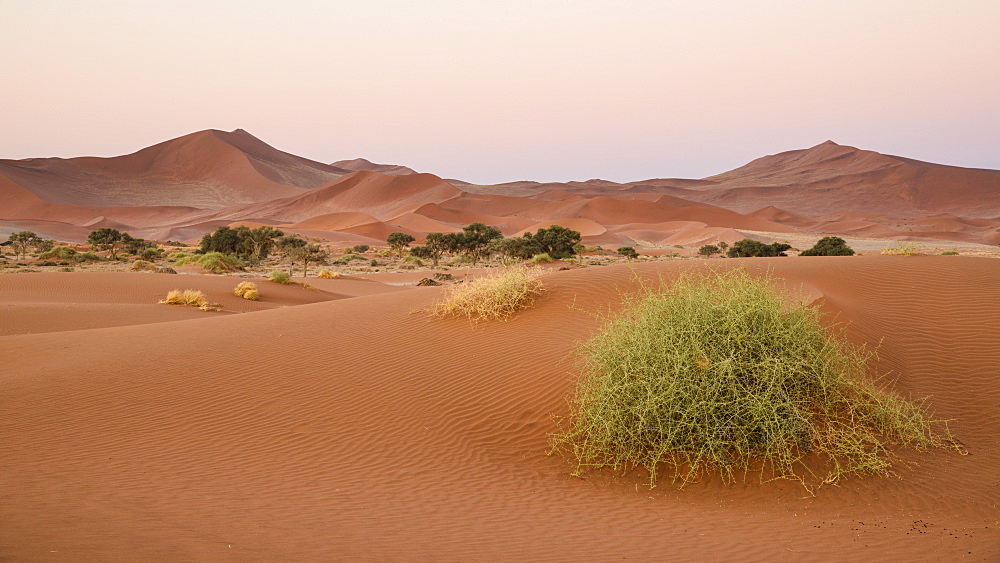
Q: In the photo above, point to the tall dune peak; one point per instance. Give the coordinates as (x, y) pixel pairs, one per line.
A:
(365, 164)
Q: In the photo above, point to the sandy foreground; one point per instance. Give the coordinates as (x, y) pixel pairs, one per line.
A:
(342, 424)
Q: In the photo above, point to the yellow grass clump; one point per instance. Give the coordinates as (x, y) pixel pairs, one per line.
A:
(496, 296)
(143, 266)
(247, 290)
(190, 298)
(328, 275)
(904, 249)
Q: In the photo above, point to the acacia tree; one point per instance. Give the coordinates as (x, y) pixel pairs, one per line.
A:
(22, 240)
(557, 241)
(399, 241)
(749, 248)
(309, 253)
(476, 239)
(289, 246)
(829, 246)
(628, 252)
(106, 238)
(434, 246)
(709, 250)
(256, 244)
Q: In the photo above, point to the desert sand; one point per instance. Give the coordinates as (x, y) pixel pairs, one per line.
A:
(342, 422)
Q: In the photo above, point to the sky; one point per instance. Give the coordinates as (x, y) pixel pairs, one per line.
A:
(495, 91)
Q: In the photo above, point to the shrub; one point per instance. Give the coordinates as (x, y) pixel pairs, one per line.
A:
(361, 248)
(247, 290)
(949, 253)
(905, 249)
(143, 266)
(829, 246)
(150, 254)
(60, 252)
(281, 276)
(215, 262)
(749, 248)
(628, 252)
(349, 257)
(709, 250)
(496, 296)
(413, 260)
(89, 257)
(190, 298)
(542, 258)
(328, 275)
(719, 374)
(47, 263)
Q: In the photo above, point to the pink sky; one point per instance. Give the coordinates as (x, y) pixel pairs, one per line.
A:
(500, 91)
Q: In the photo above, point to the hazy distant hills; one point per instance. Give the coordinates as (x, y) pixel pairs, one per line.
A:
(187, 186)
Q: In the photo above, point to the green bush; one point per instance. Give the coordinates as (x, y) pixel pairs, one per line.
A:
(749, 248)
(215, 262)
(361, 248)
(89, 257)
(60, 252)
(542, 258)
(281, 276)
(949, 253)
(717, 373)
(829, 246)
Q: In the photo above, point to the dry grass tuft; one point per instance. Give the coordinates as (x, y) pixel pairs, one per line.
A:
(328, 275)
(189, 298)
(247, 290)
(143, 266)
(905, 249)
(496, 296)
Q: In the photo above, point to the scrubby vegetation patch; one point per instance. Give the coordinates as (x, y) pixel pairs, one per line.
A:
(717, 373)
(496, 296)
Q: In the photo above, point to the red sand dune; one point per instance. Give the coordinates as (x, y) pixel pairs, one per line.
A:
(356, 429)
(362, 164)
(208, 169)
(185, 187)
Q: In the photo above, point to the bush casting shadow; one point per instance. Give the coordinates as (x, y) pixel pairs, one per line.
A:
(717, 373)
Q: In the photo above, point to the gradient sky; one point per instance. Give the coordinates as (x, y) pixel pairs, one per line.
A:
(508, 90)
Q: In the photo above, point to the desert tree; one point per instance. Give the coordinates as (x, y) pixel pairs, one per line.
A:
(749, 248)
(108, 239)
(476, 239)
(398, 241)
(309, 253)
(829, 246)
(516, 248)
(556, 241)
(22, 240)
(709, 250)
(256, 244)
(628, 252)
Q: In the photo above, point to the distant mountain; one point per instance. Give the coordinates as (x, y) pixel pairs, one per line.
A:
(363, 164)
(208, 169)
(184, 187)
(829, 178)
